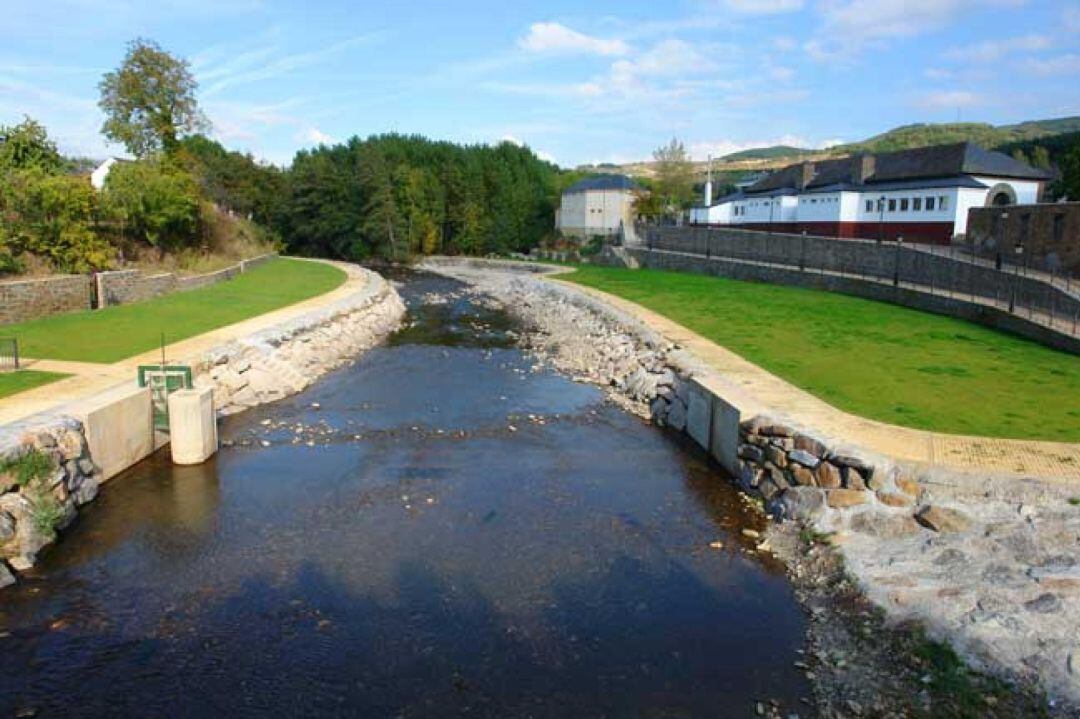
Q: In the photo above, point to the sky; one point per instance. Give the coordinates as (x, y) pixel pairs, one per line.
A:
(577, 82)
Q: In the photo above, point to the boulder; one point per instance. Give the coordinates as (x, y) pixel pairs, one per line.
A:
(802, 476)
(776, 430)
(802, 503)
(7, 528)
(895, 499)
(777, 456)
(942, 519)
(751, 453)
(885, 526)
(827, 475)
(6, 577)
(677, 415)
(853, 479)
(842, 498)
(87, 490)
(809, 444)
(801, 456)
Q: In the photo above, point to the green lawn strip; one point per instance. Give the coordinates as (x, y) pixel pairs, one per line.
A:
(114, 333)
(871, 358)
(22, 380)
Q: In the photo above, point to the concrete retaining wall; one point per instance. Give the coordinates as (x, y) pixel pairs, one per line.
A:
(23, 300)
(908, 297)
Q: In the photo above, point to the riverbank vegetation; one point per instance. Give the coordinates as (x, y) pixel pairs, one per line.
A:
(114, 333)
(872, 359)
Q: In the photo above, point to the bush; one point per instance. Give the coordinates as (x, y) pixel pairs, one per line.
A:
(156, 202)
(50, 216)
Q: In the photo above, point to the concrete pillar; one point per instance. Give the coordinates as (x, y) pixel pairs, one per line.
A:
(192, 425)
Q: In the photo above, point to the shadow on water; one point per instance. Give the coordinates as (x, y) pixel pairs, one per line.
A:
(441, 529)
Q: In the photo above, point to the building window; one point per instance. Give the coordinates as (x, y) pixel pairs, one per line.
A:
(916, 204)
(929, 204)
(869, 205)
(903, 204)
(892, 205)
(942, 202)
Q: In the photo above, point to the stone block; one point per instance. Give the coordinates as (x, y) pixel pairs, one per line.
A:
(803, 503)
(751, 453)
(777, 456)
(809, 444)
(827, 475)
(842, 498)
(802, 476)
(801, 456)
(895, 499)
(942, 519)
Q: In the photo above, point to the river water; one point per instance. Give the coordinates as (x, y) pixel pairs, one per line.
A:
(439, 529)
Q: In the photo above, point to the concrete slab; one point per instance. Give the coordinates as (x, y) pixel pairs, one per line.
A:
(699, 414)
(724, 446)
(119, 427)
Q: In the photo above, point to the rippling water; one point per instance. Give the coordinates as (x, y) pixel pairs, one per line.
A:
(437, 530)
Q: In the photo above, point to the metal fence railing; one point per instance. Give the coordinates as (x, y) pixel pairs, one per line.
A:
(1048, 297)
(9, 354)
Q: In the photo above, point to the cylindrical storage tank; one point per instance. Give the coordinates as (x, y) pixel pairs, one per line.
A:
(192, 425)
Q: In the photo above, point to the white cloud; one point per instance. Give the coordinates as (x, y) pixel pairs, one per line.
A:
(763, 7)
(937, 73)
(720, 148)
(1068, 64)
(991, 50)
(848, 26)
(950, 100)
(317, 137)
(553, 37)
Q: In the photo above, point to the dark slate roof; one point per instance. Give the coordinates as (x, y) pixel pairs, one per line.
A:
(929, 183)
(602, 182)
(952, 162)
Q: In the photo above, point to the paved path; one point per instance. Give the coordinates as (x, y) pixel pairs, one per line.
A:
(755, 389)
(89, 378)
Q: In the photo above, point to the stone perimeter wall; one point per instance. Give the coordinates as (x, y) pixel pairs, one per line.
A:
(260, 368)
(906, 296)
(121, 287)
(23, 300)
(866, 257)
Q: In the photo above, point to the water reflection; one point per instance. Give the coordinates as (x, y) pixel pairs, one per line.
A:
(437, 530)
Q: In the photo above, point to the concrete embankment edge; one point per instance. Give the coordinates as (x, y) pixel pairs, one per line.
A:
(94, 439)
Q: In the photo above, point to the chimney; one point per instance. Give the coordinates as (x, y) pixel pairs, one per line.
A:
(806, 175)
(865, 166)
(708, 185)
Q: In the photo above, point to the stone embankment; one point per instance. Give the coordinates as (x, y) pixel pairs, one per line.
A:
(990, 563)
(262, 367)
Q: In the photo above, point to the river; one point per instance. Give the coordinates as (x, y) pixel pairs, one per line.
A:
(439, 529)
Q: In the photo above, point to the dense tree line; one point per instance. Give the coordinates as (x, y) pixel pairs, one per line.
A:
(392, 196)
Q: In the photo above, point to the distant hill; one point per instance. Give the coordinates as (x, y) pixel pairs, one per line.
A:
(1054, 134)
(922, 135)
(767, 153)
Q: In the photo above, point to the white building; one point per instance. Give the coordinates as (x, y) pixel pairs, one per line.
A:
(97, 177)
(922, 194)
(599, 205)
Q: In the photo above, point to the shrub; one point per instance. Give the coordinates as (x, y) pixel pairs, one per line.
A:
(156, 202)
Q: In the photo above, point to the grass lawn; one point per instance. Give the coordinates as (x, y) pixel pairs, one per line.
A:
(114, 333)
(22, 380)
(873, 359)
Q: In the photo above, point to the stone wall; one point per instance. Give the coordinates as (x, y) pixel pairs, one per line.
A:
(1050, 234)
(23, 300)
(886, 261)
(123, 287)
(955, 306)
(72, 483)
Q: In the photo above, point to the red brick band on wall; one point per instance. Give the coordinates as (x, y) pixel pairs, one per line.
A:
(938, 233)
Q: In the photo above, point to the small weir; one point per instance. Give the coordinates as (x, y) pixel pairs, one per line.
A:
(440, 529)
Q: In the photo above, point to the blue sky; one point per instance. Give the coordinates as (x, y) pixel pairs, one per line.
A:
(577, 82)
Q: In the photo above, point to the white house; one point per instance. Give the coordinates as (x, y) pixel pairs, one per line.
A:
(97, 177)
(599, 205)
(922, 194)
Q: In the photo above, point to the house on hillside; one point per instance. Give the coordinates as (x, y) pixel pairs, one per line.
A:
(599, 205)
(97, 177)
(922, 195)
